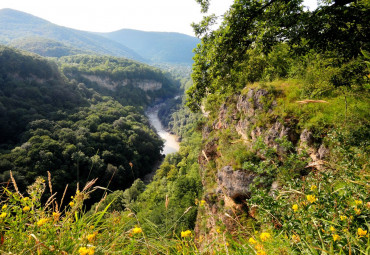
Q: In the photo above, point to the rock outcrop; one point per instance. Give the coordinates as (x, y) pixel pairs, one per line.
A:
(241, 114)
(144, 84)
(234, 184)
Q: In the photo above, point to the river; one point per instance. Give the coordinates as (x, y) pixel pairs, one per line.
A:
(171, 144)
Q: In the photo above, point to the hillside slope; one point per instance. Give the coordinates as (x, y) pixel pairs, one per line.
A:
(15, 25)
(51, 123)
(46, 47)
(158, 47)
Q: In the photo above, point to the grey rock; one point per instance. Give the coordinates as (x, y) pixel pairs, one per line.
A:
(235, 184)
(323, 152)
(307, 137)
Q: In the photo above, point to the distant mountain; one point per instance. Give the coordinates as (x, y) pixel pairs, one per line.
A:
(27, 32)
(15, 25)
(46, 47)
(158, 47)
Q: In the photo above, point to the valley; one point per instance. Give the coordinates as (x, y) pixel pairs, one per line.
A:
(171, 144)
(105, 147)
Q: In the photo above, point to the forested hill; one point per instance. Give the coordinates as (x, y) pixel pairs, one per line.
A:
(158, 47)
(27, 32)
(15, 25)
(49, 122)
(129, 82)
(46, 47)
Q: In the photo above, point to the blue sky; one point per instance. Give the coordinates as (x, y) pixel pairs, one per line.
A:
(111, 15)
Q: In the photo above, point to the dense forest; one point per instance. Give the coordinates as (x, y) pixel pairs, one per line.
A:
(129, 82)
(52, 123)
(274, 127)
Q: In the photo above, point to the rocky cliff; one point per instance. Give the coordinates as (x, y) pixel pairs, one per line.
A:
(105, 82)
(247, 145)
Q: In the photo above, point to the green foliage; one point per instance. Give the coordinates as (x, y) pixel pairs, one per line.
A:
(45, 47)
(266, 40)
(324, 212)
(157, 47)
(51, 124)
(119, 78)
(175, 116)
(168, 202)
(32, 88)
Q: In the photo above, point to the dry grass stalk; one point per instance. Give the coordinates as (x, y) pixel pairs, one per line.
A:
(89, 185)
(101, 200)
(50, 200)
(167, 201)
(64, 193)
(15, 184)
(49, 180)
(205, 155)
(308, 101)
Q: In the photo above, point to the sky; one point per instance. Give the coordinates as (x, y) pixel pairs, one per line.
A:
(112, 15)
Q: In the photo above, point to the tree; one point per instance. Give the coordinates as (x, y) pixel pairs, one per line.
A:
(251, 30)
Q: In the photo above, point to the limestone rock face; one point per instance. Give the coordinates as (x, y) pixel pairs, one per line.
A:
(144, 84)
(148, 85)
(105, 82)
(252, 101)
(235, 184)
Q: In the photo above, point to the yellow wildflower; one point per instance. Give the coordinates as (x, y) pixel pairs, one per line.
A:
(343, 217)
(313, 187)
(91, 237)
(311, 198)
(5, 206)
(137, 230)
(358, 202)
(332, 229)
(26, 208)
(86, 251)
(3, 215)
(26, 199)
(265, 236)
(357, 211)
(56, 216)
(218, 230)
(296, 238)
(252, 240)
(202, 202)
(41, 222)
(295, 207)
(186, 233)
(71, 204)
(335, 237)
(361, 232)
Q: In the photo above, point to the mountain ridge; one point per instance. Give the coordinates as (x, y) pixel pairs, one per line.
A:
(143, 46)
(16, 24)
(157, 46)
